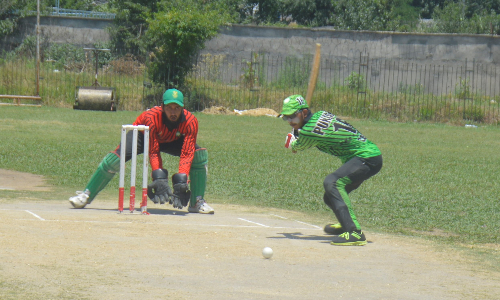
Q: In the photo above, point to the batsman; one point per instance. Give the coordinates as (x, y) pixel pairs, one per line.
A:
(361, 159)
(172, 130)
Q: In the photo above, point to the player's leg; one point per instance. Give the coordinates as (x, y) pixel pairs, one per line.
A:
(109, 166)
(197, 175)
(338, 185)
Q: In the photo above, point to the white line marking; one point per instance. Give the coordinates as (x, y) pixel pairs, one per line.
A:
(308, 224)
(279, 216)
(168, 223)
(35, 215)
(253, 222)
(5, 188)
(297, 221)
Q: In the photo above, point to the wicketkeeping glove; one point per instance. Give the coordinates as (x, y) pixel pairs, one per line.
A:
(158, 190)
(291, 137)
(182, 194)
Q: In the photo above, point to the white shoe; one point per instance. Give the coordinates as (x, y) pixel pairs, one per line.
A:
(201, 207)
(80, 200)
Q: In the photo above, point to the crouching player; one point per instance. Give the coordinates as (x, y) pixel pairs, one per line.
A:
(360, 157)
(172, 130)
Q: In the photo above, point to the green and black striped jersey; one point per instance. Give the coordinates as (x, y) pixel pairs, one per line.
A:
(334, 136)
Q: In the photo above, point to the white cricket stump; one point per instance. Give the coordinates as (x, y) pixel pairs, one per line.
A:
(121, 188)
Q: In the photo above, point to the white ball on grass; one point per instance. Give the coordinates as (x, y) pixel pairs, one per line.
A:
(267, 252)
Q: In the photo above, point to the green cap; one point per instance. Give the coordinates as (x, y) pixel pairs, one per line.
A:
(293, 104)
(173, 96)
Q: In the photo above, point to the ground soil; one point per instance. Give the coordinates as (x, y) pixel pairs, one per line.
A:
(220, 110)
(51, 251)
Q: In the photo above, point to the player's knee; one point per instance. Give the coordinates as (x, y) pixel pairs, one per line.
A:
(111, 163)
(200, 158)
(330, 182)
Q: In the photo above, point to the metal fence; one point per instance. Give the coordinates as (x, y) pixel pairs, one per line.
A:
(57, 11)
(378, 88)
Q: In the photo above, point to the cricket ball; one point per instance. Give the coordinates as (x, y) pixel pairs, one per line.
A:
(267, 252)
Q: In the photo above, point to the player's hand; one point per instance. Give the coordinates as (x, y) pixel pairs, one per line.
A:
(182, 194)
(158, 190)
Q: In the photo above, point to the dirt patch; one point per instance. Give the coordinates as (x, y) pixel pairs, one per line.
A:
(219, 110)
(13, 180)
(52, 251)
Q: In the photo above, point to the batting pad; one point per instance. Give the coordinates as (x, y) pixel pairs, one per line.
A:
(198, 175)
(103, 175)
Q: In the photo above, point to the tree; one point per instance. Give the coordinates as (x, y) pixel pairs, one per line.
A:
(75, 4)
(360, 14)
(175, 35)
(268, 11)
(384, 15)
(308, 12)
(426, 7)
(10, 12)
(130, 23)
(459, 18)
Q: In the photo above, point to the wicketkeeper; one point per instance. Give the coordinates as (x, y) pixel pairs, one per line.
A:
(361, 159)
(172, 130)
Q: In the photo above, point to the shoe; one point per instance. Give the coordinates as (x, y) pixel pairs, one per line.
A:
(201, 207)
(353, 238)
(80, 200)
(334, 229)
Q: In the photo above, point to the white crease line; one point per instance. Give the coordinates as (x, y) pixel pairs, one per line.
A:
(74, 221)
(188, 224)
(35, 215)
(308, 224)
(297, 221)
(253, 222)
(279, 216)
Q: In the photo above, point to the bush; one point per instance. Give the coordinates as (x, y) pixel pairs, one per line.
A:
(355, 81)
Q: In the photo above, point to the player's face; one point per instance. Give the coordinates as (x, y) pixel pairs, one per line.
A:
(172, 111)
(296, 120)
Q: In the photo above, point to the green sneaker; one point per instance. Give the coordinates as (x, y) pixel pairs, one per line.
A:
(335, 229)
(349, 239)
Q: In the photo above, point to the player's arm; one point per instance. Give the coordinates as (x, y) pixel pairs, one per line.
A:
(303, 142)
(180, 182)
(187, 151)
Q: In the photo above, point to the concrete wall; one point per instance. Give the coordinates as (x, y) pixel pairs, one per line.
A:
(436, 61)
(240, 41)
(345, 45)
(70, 30)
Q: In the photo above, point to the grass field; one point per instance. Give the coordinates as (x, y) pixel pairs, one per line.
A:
(438, 181)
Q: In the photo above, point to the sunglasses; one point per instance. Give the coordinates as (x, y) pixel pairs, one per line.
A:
(292, 118)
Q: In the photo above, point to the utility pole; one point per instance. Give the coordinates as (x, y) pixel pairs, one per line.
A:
(38, 47)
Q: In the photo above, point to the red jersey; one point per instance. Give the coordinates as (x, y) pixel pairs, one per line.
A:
(159, 133)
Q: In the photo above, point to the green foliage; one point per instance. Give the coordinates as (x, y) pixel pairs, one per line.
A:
(355, 81)
(474, 113)
(251, 76)
(426, 113)
(76, 4)
(411, 89)
(308, 12)
(463, 89)
(130, 23)
(294, 74)
(268, 11)
(458, 18)
(175, 36)
(369, 14)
